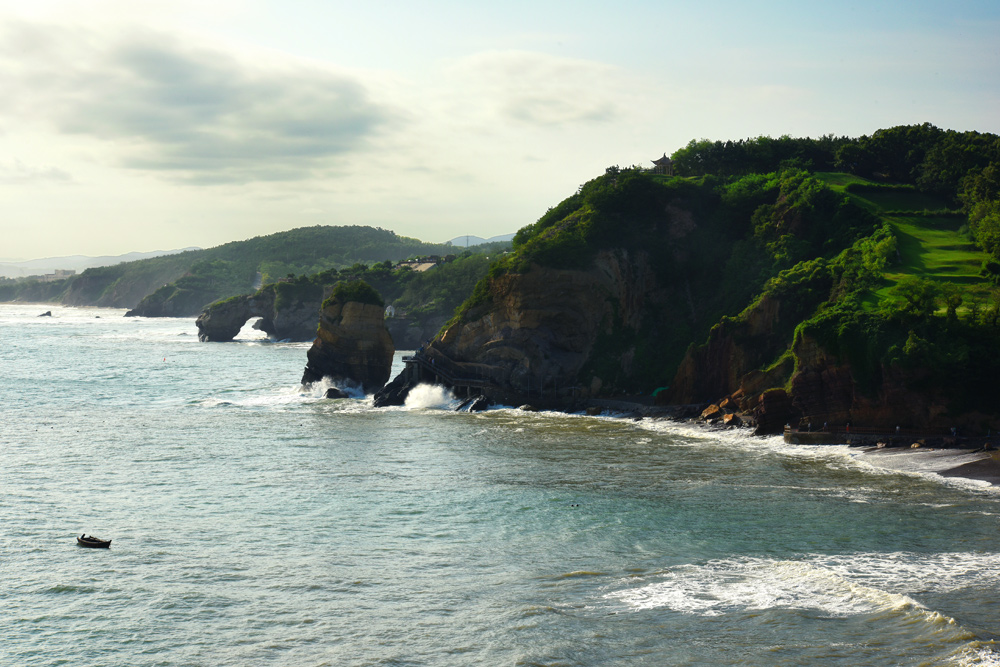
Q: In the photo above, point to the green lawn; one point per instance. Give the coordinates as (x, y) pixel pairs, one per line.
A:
(929, 246)
(935, 248)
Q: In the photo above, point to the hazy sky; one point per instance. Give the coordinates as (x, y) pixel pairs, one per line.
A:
(128, 125)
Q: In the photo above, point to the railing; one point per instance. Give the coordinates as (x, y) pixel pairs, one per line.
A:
(448, 375)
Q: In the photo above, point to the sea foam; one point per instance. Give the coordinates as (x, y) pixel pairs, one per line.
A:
(430, 397)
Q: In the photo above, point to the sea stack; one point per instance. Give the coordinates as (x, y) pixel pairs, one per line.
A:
(352, 342)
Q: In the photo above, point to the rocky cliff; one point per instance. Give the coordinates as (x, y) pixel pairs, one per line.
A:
(295, 320)
(773, 378)
(558, 336)
(352, 344)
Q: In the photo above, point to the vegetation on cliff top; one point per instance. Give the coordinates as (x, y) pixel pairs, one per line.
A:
(885, 248)
(354, 290)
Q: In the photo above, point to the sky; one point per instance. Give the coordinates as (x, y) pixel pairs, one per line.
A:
(139, 126)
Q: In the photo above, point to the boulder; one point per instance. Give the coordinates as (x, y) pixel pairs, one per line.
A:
(352, 343)
(333, 392)
(394, 393)
(474, 404)
(732, 420)
(773, 411)
(711, 412)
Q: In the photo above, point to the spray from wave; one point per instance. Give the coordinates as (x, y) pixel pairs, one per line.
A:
(430, 397)
(319, 389)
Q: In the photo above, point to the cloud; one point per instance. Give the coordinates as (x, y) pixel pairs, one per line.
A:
(197, 114)
(16, 172)
(540, 89)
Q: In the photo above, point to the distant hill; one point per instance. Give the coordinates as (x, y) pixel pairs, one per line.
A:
(181, 284)
(470, 240)
(35, 267)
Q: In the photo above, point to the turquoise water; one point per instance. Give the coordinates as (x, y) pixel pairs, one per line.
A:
(256, 523)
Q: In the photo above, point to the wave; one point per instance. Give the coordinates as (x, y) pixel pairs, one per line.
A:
(430, 397)
(754, 584)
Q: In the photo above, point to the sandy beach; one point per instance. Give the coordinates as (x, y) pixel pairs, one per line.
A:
(970, 464)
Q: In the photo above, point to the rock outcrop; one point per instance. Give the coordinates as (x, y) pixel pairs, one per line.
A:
(807, 383)
(352, 344)
(546, 334)
(222, 320)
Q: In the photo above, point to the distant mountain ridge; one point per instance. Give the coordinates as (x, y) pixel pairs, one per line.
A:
(34, 267)
(471, 240)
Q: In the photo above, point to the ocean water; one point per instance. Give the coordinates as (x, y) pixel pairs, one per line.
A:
(255, 523)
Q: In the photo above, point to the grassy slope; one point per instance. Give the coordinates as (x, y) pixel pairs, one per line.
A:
(930, 247)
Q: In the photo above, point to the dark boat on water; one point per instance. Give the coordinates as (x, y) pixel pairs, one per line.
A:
(93, 542)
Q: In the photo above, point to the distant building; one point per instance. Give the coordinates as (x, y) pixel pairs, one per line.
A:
(60, 274)
(664, 165)
(420, 265)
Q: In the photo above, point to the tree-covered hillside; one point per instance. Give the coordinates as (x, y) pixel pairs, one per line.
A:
(794, 264)
(184, 283)
(421, 301)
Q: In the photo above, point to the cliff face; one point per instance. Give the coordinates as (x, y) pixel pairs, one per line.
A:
(221, 321)
(352, 344)
(733, 350)
(540, 333)
(821, 387)
(100, 288)
(826, 389)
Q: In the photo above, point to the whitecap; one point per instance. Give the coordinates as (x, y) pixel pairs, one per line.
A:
(430, 397)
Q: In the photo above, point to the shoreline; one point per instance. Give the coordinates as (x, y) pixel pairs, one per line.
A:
(969, 462)
(972, 464)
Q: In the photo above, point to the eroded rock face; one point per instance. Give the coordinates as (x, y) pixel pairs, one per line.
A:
(352, 344)
(538, 334)
(221, 321)
(734, 350)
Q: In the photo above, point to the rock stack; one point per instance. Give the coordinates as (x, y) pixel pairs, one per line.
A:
(352, 344)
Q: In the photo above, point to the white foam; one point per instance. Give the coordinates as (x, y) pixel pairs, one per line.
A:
(723, 586)
(841, 585)
(979, 653)
(922, 464)
(430, 397)
(318, 389)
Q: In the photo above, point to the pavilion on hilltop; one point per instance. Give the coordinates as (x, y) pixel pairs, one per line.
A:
(664, 165)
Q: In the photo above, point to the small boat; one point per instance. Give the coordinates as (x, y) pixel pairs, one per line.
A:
(93, 542)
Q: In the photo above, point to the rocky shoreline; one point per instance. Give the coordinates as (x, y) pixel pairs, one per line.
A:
(966, 458)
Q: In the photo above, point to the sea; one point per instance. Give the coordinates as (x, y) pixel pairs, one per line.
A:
(254, 522)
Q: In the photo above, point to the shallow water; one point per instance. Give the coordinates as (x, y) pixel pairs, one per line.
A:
(257, 523)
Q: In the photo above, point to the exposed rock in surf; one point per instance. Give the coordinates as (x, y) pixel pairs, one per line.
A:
(711, 412)
(294, 320)
(474, 404)
(352, 342)
(394, 393)
(333, 392)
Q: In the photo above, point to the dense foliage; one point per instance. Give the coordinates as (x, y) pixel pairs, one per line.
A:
(421, 297)
(194, 278)
(869, 244)
(354, 290)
